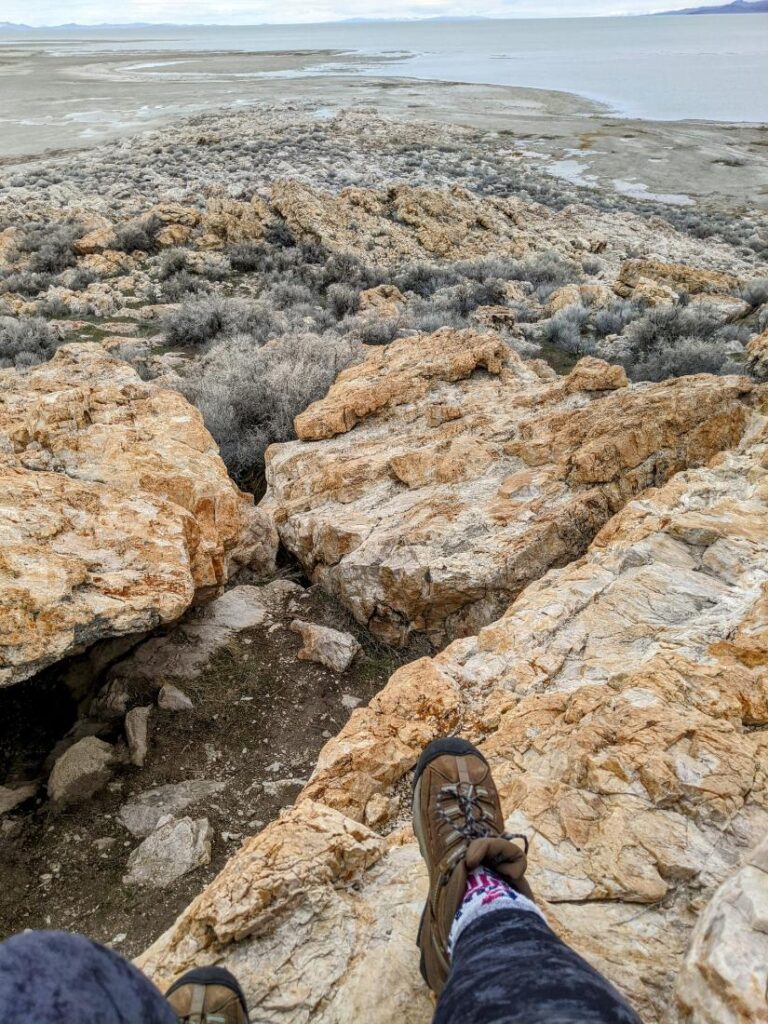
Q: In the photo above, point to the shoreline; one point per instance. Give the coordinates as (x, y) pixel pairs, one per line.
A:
(679, 162)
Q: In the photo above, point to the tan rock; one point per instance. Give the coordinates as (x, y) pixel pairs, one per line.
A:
(136, 730)
(172, 235)
(117, 510)
(329, 647)
(677, 276)
(648, 292)
(7, 242)
(622, 703)
(12, 796)
(108, 262)
(425, 495)
(401, 223)
(757, 356)
(597, 295)
(174, 214)
(95, 241)
(383, 301)
(495, 318)
(227, 221)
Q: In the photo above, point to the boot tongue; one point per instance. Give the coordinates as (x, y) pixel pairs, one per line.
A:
(500, 855)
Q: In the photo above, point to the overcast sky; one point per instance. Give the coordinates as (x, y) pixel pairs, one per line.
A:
(243, 12)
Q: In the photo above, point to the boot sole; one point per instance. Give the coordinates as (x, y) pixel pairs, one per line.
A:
(211, 976)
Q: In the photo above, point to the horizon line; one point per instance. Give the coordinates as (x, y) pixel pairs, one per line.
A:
(345, 21)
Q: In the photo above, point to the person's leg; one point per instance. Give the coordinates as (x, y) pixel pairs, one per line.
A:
(509, 966)
(486, 949)
(61, 978)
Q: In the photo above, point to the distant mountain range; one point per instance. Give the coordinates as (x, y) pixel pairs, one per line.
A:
(737, 7)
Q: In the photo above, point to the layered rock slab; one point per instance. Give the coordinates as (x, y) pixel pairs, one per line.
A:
(443, 474)
(116, 512)
(623, 705)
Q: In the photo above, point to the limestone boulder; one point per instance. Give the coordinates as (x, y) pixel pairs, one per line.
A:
(95, 241)
(117, 510)
(622, 703)
(136, 734)
(404, 224)
(443, 474)
(12, 797)
(401, 223)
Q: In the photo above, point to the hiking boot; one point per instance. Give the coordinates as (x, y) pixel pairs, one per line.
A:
(208, 995)
(459, 825)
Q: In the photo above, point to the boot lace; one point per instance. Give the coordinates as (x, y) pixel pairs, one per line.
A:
(469, 814)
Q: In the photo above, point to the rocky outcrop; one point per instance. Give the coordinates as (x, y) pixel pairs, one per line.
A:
(676, 277)
(402, 223)
(444, 474)
(623, 705)
(117, 511)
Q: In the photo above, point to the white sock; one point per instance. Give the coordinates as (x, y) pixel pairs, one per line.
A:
(486, 892)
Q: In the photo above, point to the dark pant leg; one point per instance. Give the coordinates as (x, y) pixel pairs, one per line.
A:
(509, 967)
(60, 978)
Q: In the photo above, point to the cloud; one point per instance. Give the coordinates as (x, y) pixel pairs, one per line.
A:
(240, 12)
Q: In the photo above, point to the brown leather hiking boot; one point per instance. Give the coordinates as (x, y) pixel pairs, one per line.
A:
(208, 995)
(459, 825)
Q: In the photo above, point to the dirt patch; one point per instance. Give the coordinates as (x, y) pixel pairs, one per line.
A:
(260, 716)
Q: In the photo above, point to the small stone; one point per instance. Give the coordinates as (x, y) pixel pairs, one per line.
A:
(379, 810)
(106, 843)
(142, 815)
(284, 790)
(82, 771)
(171, 698)
(136, 725)
(350, 702)
(172, 851)
(12, 796)
(329, 647)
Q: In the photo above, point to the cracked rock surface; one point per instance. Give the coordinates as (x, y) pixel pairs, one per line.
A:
(117, 512)
(622, 702)
(442, 475)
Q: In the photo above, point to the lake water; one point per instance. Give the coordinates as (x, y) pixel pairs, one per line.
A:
(711, 67)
